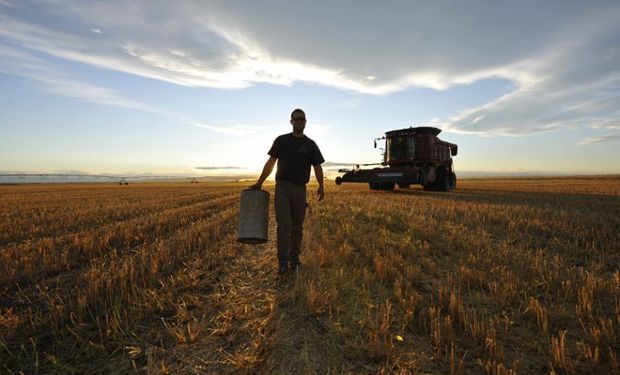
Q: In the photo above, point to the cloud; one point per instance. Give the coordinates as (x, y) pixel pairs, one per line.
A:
(71, 171)
(606, 124)
(600, 139)
(231, 130)
(6, 3)
(94, 94)
(477, 119)
(25, 64)
(561, 56)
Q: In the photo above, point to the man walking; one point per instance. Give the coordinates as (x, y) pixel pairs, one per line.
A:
(295, 153)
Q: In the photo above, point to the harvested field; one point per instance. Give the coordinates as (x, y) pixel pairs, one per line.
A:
(500, 276)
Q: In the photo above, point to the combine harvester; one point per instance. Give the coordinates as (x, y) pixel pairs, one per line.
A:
(412, 156)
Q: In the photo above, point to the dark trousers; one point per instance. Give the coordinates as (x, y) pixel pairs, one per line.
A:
(290, 207)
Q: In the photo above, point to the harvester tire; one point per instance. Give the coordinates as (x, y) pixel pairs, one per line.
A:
(388, 186)
(442, 181)
(381, 185)
(452, 181)
(338, 180)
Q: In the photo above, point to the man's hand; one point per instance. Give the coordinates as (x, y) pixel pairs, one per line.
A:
(318, 173)
(320, 193)
(255, 186)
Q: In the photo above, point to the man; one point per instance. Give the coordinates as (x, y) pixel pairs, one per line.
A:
(295, 153)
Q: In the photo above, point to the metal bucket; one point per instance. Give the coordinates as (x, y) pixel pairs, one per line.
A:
(253, 216)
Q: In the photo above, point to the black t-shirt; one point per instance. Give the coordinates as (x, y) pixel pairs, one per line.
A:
(295, 156)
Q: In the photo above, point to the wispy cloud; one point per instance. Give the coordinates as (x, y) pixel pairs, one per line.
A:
(95, 94)
(606, 124)
(6, 3)
(600, 139)
(25, 64)
(477, 119)
(231, 130)
(563, 60)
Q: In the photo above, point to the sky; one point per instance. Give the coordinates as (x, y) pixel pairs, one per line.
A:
(203, 87)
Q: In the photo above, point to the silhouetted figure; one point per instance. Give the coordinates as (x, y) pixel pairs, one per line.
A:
(294, 153)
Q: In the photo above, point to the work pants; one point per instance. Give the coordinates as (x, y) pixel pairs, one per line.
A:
(290, 207)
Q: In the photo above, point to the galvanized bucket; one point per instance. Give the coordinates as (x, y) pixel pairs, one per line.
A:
(253, 216)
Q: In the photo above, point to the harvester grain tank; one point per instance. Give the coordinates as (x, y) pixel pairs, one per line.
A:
(412, 156)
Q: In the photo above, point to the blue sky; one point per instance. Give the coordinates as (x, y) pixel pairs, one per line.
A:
(170, 87)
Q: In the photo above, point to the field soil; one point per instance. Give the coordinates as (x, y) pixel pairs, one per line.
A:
(500, 276)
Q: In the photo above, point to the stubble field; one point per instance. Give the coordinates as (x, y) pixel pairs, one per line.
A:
(501, 276)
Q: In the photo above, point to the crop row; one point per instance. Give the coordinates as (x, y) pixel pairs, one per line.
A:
(465, 279)
(112, 302)
(40, 220)
(51, 255)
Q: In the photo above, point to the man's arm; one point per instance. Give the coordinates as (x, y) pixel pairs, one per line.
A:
(266, 172)
(318, 173)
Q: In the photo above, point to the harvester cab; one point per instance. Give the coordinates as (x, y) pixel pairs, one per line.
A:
(411, 156)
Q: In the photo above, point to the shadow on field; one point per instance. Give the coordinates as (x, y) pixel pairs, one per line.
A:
(530, 198)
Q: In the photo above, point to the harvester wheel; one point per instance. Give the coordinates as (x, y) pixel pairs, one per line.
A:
(442, 181)
(381, 185)
(452, 181)
(338, 180)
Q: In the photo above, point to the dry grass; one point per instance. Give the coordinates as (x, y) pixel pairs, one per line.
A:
(505, 276)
